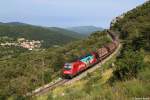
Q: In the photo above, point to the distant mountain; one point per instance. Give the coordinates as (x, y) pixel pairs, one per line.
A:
(13, 23)
(85, 29)
(1, 23)
(49, 36)
(16, 23)
(67, 32)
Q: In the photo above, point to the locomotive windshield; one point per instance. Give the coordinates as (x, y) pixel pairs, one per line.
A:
(67, 66)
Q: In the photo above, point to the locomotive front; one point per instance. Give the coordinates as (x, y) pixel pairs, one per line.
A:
(67, 70)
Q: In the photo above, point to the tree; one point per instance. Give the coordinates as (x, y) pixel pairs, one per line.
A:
(129, 64)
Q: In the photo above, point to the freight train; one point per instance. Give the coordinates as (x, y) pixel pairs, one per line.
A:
(74, 68)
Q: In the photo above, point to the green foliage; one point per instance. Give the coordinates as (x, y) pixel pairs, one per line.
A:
(29, 70)
(144, 74)
(135, 26)
(7, 52)
(128, 64)
(50, 37)
(4, 39)
(50, 97)
(93, 89)
(134, 29)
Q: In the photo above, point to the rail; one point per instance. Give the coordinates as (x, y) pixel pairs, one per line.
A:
(60, 82)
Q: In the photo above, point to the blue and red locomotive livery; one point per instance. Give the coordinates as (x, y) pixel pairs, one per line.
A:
(72, 69)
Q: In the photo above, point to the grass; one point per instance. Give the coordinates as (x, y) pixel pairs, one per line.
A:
(92, 82)
(106, 75)
(95, 86)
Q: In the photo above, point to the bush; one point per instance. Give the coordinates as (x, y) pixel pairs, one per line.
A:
(129, 64)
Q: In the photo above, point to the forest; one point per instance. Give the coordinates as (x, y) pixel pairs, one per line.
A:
(126, 75)
(134, 29)
(29, 70)
(50, 36)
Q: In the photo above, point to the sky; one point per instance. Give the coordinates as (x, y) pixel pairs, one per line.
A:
(65, 13)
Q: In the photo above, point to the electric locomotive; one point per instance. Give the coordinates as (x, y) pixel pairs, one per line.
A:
(74, 68)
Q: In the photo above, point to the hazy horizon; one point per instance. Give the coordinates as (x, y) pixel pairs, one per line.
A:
(65, 13)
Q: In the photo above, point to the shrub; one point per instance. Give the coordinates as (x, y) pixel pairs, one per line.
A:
(129, 64)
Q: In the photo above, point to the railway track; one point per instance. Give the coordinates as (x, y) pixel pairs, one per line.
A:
(44, 89)
(60, 82)
(98, 65)
(48, 87)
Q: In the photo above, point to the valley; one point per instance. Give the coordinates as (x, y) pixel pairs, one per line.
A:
(126, 75)
(49, 36)
(34, 56)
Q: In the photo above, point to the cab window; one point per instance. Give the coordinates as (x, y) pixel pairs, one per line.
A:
(67, 66)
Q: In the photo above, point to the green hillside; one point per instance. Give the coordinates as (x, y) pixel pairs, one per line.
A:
(135, 26)
(86, 30)
(50, 37)
(127, 75)
(124, 77)
(29, 70)
(67, 32)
